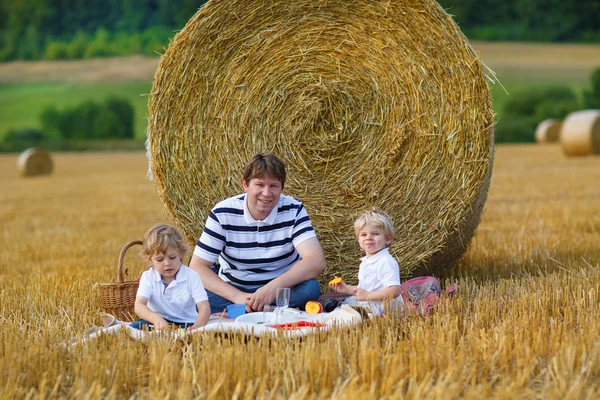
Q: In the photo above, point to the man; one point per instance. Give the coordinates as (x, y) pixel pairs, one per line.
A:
(263, 240)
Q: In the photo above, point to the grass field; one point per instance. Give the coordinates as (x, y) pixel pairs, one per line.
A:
(522, 324)
(26, 88)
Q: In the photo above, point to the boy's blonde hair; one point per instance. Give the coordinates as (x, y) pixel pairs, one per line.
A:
(378, 218)
(159, 238)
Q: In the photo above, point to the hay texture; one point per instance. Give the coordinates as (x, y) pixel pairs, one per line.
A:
(34, 162)
(369, 103)
(548, 131)
(580, 133)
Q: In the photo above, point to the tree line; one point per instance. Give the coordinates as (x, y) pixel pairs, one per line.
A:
(527, 20)
(63, 29)
(530, 106)
(50, 29)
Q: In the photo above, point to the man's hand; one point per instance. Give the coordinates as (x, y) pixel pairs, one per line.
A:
(262, 297)
(242, 298)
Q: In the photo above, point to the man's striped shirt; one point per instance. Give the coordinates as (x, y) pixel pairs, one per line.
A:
(253, 252)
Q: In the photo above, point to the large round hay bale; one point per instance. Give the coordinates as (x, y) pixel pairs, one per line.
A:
(369, 103)
(548, 131)
(580, 133)
(34, 162)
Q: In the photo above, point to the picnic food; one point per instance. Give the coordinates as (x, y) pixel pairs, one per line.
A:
(335, 280)
(313, 307)
(367, 103)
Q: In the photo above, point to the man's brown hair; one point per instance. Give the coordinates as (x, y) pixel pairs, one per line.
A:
(264, 164)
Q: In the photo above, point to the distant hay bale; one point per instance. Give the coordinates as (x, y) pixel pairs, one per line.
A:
(548, 131)
(369, 103)
(34, 162)
(580, 133)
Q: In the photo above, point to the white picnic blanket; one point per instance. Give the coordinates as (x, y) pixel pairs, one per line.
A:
(343, 316)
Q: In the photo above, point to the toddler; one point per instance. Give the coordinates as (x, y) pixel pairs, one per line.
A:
(169, 293)
(378, 274)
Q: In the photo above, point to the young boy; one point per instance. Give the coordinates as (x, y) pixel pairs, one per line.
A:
(378, 274)
(169, 293)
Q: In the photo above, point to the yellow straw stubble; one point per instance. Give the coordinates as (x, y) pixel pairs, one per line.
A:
(369, 103)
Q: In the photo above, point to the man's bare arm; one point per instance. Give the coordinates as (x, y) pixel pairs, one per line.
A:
(215, 284)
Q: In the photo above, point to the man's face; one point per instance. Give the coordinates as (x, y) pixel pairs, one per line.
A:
(262, 195)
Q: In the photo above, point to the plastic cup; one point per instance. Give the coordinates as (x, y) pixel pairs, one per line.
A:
(235, 310)
(268, 314)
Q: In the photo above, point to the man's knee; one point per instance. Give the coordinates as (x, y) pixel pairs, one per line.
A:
(303, 292)
(312, 288)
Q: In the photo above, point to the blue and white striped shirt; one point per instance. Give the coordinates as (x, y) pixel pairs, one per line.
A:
(253, 252)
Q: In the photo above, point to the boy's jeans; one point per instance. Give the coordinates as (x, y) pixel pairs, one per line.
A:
(142, 322)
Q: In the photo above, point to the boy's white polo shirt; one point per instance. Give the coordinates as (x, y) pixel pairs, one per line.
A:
(378, 271)
(177, 301)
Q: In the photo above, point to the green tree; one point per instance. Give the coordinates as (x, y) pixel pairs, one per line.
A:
(99, 46)
(591, 96)
(76, 47)
(123, 110)
(55, 51)
(51, 122)
(30, 44)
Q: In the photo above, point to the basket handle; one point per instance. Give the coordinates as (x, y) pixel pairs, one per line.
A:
(122, 256)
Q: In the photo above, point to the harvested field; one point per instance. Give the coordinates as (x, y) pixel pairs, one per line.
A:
(522, 324)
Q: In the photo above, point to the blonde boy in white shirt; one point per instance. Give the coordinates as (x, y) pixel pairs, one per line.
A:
(169, 293)
(378, 274)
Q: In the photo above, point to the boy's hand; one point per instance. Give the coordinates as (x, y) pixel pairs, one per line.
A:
(362, 294)
(341, 287)
(160, 323)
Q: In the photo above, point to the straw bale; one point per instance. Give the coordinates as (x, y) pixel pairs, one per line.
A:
(34, 162)
(548, 131)
(369, 103)
(580, 133)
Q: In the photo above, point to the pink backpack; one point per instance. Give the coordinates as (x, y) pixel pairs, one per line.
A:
(421, 293)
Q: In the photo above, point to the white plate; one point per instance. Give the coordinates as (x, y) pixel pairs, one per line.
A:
(260, 317)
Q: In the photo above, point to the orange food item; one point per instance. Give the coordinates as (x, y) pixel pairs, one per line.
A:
(335, 280)
(313, 307)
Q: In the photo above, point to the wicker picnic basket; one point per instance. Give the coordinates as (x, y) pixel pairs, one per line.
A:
(118, 298)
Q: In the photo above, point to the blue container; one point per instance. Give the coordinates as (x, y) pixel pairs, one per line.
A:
(235, 310)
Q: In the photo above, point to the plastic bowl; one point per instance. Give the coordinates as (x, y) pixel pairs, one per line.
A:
(267, 318)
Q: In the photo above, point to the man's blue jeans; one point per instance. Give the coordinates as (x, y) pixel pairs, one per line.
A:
(299, 295)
